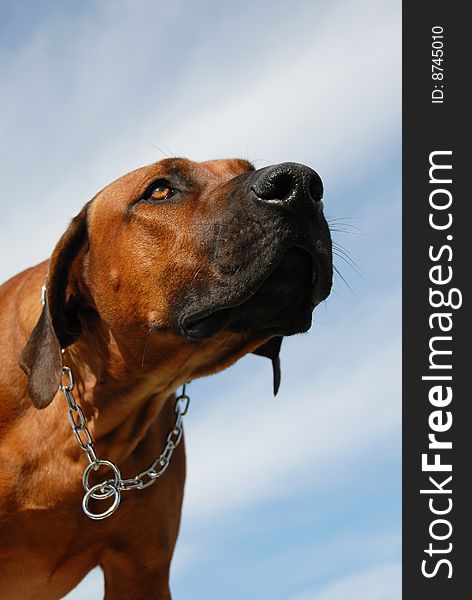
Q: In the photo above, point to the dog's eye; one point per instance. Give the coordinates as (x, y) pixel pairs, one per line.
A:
(159, 190)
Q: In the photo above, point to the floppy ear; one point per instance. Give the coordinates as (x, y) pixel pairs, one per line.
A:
(58, 326)
(271, 349)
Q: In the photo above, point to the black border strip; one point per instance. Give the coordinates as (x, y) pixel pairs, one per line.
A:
(435, 131)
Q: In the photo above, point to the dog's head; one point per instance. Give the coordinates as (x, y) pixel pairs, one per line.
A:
(191, 250)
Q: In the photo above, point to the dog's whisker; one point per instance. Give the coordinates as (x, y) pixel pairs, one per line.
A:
(247, 152)
(358, 273)
(334, 219)
(345, 252)
(341, 253)
(347, 231)
(148, 337)
(161, 141)
(338, 272)
(346, 225)
(160, 150)
(196, 273)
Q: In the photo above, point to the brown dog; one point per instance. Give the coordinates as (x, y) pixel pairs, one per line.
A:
(172, 272)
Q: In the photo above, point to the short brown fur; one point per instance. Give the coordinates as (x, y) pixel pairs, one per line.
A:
(111, 292)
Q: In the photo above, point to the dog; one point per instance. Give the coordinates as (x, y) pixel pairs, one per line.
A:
(172, 272)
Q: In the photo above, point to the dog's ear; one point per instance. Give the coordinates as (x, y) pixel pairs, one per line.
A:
(271, 349)
(58, 326)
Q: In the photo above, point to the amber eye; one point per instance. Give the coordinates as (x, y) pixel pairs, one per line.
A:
(160, 191)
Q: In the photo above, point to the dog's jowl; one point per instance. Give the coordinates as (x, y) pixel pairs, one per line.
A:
(172, 272)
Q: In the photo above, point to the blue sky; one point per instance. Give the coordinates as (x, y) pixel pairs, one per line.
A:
(288, 498)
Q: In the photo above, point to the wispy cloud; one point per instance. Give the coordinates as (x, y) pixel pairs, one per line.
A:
(378, 583)
(85, 100)
(251, 447)
(90, 94)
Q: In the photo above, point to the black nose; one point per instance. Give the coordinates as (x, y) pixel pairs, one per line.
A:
(288, 184)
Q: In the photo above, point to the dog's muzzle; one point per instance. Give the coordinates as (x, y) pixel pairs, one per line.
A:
(270, 256)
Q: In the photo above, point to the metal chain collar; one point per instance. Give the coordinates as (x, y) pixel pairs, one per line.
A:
(113, 487)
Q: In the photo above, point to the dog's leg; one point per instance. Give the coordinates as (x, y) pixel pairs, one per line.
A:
(127, 578)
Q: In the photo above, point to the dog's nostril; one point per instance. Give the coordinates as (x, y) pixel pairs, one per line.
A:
(315, 187)
(281, 185)
(278, 185)
(288, 185)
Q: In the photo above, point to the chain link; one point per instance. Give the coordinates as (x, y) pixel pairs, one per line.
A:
(116, 485)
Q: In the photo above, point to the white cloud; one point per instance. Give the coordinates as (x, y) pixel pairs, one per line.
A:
(318, 99)
(248, 447)
(85, 101)
(378, 583)
(90, 588)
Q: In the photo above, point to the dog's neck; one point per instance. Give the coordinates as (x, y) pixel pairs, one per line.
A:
(124, 379)
(121, 385)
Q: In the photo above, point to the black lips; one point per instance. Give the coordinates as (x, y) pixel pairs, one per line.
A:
(271, 260)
